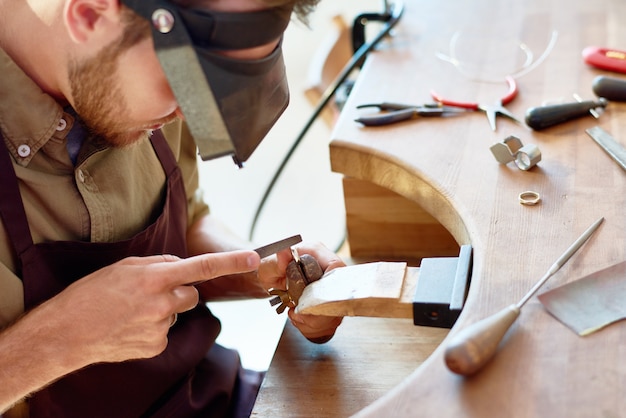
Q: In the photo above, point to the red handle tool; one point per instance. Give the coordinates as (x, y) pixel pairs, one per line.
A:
(605, 58)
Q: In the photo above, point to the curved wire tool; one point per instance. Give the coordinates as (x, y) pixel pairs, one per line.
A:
(396, 112)
(492, 110)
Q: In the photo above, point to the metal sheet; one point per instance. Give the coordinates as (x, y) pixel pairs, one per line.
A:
(590, 303)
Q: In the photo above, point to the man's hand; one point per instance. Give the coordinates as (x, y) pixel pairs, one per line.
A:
(318, 329)
(121, 312)
(124, 311)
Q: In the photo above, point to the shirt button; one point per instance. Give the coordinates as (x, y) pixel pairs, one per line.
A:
(81, 176)
(23, 150)
(62, 124)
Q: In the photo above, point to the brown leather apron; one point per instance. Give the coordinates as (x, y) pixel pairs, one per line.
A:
(192, 377)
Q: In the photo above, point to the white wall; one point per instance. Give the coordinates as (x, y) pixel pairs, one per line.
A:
(307, 199)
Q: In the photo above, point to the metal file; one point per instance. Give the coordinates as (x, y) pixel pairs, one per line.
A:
(615, 150)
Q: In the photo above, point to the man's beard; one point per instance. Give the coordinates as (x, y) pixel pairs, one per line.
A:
(98, 99)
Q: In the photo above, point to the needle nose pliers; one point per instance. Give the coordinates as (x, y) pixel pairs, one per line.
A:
(396, 112)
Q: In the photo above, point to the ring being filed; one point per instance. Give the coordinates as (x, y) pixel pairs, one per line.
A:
(173, 320)
(529, 198)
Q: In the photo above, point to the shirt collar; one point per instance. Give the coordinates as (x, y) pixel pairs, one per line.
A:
(28, 116)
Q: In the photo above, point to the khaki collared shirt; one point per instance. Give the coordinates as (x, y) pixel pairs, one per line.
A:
(110, 195)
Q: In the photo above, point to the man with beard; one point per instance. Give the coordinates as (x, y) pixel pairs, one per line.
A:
(106, 246)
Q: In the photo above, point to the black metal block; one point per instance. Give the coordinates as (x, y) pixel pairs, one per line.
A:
(441, 289)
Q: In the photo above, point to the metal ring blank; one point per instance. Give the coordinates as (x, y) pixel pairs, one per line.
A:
(529, 198)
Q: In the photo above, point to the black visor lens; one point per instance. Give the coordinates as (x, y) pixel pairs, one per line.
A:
(229, 104)
(251, 95)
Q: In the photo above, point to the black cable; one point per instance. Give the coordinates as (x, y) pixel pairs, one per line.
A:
(394, 14)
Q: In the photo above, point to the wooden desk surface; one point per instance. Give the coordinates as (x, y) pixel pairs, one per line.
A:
(542, 368)
(366, 358)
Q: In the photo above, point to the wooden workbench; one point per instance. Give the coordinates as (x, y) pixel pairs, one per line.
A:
(443, 170)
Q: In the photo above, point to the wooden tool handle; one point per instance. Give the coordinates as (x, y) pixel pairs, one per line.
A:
(474, 346)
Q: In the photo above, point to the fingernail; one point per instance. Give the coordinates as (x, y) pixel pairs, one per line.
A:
(253, 260)
(296, 321)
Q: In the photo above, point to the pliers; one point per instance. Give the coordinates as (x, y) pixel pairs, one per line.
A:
(396, 112)
(490, 110)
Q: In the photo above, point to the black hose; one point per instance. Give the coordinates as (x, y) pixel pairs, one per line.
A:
(395, 14)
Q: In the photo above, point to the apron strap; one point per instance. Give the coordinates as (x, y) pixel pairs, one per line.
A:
(11, 207)
(12, 210)
(163, 152)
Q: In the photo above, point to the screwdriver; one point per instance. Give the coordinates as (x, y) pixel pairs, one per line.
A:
(474, 346)
(545, 116)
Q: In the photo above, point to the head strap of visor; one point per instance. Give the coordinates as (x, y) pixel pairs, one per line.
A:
(226, 30)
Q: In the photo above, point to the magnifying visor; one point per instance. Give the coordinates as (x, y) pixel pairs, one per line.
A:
(229, 104)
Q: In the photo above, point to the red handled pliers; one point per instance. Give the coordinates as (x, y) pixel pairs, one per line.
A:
(490, 110)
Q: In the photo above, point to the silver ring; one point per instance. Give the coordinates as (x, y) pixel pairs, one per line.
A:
(529, 198)
(174, 319)
(527, 157)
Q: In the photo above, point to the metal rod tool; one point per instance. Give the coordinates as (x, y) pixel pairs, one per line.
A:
(474, 346)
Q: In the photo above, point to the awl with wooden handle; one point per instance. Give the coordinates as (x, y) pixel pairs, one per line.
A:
(474, 346)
